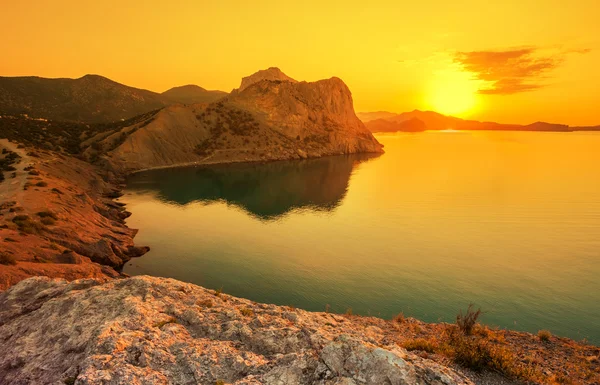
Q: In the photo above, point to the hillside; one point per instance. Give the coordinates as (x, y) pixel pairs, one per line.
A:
(435, 121)
(89, 99)
(266, 120)
(192, 94)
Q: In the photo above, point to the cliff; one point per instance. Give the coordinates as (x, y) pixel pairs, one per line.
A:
(146, 330)
(263, 120)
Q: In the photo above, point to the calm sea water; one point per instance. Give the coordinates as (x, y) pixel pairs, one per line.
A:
(507, 220)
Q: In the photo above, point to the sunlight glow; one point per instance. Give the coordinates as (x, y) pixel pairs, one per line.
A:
(453, 93)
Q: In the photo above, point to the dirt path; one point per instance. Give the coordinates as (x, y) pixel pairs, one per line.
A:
(12, 188)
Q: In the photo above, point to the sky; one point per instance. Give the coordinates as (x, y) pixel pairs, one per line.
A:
(515, 61)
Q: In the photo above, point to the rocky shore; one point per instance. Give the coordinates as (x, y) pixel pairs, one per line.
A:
(58, 219)
(146, 330)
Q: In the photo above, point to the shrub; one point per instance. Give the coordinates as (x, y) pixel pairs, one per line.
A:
(349, 311)
(400, 318)
(48, 221)
(544, 335)
(7, 259)
(467, 322)
(479, 354)
(420, 344)
(47, 214)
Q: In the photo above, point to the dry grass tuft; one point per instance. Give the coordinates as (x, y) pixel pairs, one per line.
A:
(466, 322)
(544, 335)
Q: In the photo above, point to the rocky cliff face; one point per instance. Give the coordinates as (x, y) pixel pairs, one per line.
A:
(270, 74)
(147, 330)
(266, 119)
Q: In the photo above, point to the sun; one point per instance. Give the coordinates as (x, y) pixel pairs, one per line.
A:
(452, 93)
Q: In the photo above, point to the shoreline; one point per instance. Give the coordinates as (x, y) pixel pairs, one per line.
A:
(423, 338)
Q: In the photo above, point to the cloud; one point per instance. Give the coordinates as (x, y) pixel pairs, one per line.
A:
(512, 71)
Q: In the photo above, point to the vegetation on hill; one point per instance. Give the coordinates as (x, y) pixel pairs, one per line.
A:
(89, 99)
(7, 160)
(70, 137)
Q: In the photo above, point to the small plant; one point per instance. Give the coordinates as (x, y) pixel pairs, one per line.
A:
(420, 344)
(47, 214)
(400, 318)
(349, 312)
(327, 308)
(20, 218)
(48, 221)
(466, 323)
(247, 312)
(218, 292)
(7, 259)
(544, 335)
(219, 382)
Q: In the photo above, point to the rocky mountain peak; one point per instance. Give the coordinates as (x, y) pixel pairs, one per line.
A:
(272, 74)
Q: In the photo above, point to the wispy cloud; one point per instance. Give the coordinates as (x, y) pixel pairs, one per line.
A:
(512, 71)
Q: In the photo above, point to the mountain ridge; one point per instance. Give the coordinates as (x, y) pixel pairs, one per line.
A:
(436, 121)
(91, 98)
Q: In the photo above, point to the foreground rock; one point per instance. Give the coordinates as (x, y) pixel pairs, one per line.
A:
(147, 330)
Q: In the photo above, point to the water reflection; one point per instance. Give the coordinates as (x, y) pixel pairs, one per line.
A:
(266, 191)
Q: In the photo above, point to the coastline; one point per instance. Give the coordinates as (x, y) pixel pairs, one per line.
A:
(84, 192)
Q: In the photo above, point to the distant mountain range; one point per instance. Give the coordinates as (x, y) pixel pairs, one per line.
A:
(90, 99)
(416, 120)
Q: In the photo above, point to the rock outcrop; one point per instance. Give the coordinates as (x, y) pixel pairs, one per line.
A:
(145, 330)
(270, 117)
(270, 74)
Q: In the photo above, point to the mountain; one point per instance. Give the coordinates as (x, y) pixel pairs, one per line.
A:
(436, 121)
(383, 125)
(368, 116)
(267, 118)
(89, 99)
(192, 94)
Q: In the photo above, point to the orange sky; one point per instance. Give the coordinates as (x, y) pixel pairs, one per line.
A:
(516, 61)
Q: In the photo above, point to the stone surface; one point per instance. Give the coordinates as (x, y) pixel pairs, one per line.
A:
(146, 330)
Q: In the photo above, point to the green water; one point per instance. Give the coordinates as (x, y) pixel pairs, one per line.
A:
(508, 221)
